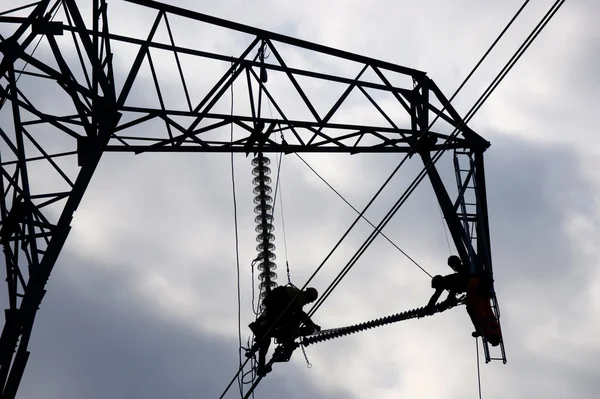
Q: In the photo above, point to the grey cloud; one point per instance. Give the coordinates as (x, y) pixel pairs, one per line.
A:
(90, 344)
(146, 200)
(533, 189)
(546, 375)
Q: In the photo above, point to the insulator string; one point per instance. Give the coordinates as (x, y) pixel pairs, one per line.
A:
(264, 224)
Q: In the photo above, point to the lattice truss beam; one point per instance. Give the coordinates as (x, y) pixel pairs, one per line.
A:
(47, 106)
(174, 89)
(71, 89)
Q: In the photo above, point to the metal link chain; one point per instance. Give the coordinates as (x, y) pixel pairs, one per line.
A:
(308, 365)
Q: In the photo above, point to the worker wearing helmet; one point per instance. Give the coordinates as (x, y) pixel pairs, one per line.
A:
(282, 319)
(455, 283)
(477, 289)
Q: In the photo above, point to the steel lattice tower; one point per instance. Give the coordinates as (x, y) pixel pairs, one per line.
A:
(99, 112)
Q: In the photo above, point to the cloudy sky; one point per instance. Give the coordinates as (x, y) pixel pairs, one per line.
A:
(143, 300)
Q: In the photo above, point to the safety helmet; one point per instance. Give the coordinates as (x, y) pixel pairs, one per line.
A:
(455, 263)
(311, 294)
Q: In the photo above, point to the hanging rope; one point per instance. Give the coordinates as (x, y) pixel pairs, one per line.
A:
(278, 189)
(255, 307)
(478, 371)
(237, 255)
(445, 230)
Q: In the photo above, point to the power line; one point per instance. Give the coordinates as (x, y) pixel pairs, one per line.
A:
(520, 51)
(460, 87)
(357, 211)
(266, 336)
(233, 379)
(435, 119)
(315, 273)
(433, 160)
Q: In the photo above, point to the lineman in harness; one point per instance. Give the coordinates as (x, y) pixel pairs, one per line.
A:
(477, 288)
(287, 302)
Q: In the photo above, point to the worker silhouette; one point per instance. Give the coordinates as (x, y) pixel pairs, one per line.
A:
(281, 319)
(477, 289)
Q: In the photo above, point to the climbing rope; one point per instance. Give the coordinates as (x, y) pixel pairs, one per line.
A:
(237, 254)
(326, 335)
(478, 371)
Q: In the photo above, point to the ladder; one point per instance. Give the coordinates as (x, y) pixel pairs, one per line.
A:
(467, 207)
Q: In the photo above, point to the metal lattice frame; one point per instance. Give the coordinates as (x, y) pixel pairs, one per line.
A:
(49, 148)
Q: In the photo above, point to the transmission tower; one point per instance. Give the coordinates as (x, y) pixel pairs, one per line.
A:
(50, 148)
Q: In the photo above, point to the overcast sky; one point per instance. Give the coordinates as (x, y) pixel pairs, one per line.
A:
(142, 302)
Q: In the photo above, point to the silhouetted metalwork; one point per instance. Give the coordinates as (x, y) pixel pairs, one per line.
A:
(332, 333)
(66, 99)
(264, 224)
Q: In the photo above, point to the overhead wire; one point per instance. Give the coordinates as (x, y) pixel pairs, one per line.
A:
(321, 265)
(359, 217)
(234, 378)
(457, 130)
(362, 249)
(432, 161)
(357, 211)
(468, 77)
(524, 46)
(436, 157)
(481, 100)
